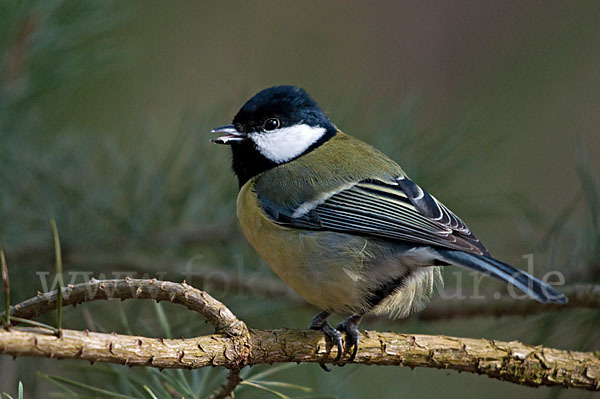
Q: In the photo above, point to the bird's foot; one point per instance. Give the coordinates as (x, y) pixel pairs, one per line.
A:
(334, 335)
(350, 327)
(319, 322)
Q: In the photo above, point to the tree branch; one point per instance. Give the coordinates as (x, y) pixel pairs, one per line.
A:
(194, 299)
(233, 380)
(235, 346)
(508, 361)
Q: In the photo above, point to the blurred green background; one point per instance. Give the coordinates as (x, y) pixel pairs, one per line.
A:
(105, 109)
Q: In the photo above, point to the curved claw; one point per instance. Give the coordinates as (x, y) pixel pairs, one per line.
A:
(319, 322)
(356, 340)
(350, 327)
(324, 367)
(336, 338)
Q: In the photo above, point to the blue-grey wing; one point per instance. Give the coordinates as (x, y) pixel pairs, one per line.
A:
(393, 210)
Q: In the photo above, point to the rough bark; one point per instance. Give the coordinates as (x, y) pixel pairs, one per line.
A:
(508, 361)
(235, 346)
(227, 390)
(194, 299)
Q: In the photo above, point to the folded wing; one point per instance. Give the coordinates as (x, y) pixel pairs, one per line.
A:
(394, 210)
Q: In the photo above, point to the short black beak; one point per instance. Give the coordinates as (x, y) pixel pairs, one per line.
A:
(229, 135)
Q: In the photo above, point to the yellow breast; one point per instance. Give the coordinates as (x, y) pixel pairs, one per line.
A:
(321, 267)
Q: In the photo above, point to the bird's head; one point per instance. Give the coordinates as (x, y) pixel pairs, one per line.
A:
(275, 126)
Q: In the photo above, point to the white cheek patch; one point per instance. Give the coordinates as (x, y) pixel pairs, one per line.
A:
(286, 143)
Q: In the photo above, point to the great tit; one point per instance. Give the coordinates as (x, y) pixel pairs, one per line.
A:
(340, 222)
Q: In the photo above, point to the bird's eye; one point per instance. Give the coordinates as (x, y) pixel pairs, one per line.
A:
(271, 124)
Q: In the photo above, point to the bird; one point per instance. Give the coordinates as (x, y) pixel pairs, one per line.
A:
(340, 222)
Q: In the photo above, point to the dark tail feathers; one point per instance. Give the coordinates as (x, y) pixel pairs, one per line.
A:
(502, 271)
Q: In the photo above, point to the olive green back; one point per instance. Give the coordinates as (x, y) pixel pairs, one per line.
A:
(338, 162)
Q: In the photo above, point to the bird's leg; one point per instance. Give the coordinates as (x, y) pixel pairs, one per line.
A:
(319, 322)
(350, 327)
